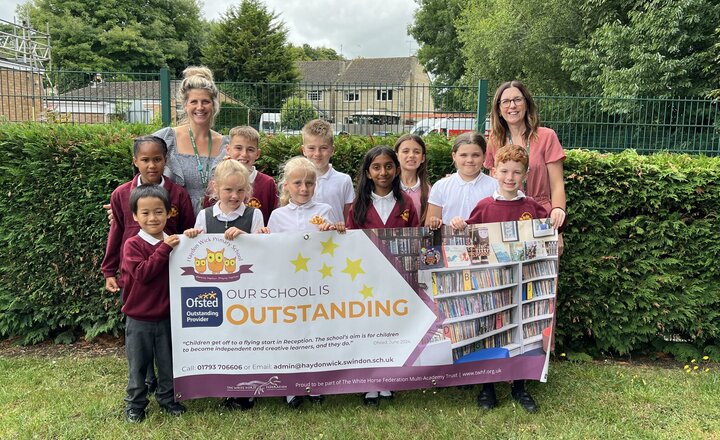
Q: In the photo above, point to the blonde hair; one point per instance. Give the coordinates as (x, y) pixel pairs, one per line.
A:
(247, 132)
(297, 163)
(198, 77)
(512, 153)
(318, 128)
(231, 167)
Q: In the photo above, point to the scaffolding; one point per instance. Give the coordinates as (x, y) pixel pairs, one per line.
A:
(23, 44)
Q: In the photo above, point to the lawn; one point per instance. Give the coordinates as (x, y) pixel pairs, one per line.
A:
(76, 396)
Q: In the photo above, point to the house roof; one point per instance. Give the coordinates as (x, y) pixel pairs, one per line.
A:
(147, 90)
(358, 71)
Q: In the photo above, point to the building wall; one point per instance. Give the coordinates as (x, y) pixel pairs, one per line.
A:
(20, 95)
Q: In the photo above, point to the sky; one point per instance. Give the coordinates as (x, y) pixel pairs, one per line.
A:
(354, 28)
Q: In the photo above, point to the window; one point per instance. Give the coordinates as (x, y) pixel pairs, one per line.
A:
(314, 95)
(383, 95)
(352, 96)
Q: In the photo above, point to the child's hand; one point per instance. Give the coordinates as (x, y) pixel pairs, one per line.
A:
(111, 284)
(233, 232)
(172, 240)
(263, 230)
(193, 232)
(433, 222)
(458, 223)
(108, 208)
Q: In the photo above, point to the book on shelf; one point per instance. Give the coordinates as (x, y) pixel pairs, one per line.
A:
(456, 255)
(431, 257)
(501, 253)
(517, 251)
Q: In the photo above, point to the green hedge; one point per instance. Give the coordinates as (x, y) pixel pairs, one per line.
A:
(640, 264)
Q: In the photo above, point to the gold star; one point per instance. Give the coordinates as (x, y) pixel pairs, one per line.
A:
(300, 263)
(353, 267)
(326, 271)
(366, 291)
(328, 247)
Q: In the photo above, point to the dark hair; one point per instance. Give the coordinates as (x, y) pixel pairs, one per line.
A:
(365, 185)
(469, 138)
(149, 190)
(422, 171)
(500, 126)
(138, 141)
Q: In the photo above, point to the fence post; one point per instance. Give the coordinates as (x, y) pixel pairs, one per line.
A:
(165, 96)
(481, 106)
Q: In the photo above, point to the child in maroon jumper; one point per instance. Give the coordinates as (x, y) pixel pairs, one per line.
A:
(244, 146)
(379, 200)
(149, 157)
(380, 203)
(508, 203)
(146, 302)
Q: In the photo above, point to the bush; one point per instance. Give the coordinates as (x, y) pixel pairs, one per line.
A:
(53, 181)
(639, 267)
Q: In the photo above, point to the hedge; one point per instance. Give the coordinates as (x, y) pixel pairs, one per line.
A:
(639, 268)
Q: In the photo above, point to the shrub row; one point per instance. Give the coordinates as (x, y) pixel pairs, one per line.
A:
(640, 265)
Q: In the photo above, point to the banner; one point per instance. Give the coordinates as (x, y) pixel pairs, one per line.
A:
(388, 309)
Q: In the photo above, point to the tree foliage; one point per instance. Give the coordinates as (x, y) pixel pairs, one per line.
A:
(656, 48)
(249, 43)
(296, 112)
(306, 52)
(519, 40)
(434, 29)
(120, 35)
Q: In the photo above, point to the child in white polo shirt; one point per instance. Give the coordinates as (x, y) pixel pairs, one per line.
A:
(457, 195)
(333, 187)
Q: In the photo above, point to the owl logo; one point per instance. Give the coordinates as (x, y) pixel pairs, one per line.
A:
(230, 265)
(200, 265)
(173, 212)
(526, 216)
(215, 260)
(254, 203)
(405, 215)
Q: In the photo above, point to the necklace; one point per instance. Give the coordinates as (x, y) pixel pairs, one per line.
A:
(204, 172)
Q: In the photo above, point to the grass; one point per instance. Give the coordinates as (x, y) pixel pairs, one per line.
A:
(71, 397)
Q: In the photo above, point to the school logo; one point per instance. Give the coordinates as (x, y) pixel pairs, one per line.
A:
(258, 387)
(254, 203)
(173, 211)
(405, 215)
(526, 216)
(216, 266)
(201, 306)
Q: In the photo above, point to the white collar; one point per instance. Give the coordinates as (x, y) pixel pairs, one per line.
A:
(468, 182)
(162, 180)
(237, 213)
(412, 188)
(327, 173)
(497, 196)
(149, 238)
(292, 205)
(253, 174)
(389, 196)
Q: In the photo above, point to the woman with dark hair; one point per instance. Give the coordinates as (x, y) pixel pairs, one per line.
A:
(515, 120)
(411, 151)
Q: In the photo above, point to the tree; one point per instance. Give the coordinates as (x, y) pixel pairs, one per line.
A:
(120, 35)
(504, 40)
(434, 29)
(249, 43)
(309, 53)
(657, 48)
(296, 112)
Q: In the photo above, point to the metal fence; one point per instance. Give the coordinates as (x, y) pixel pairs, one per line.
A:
(647, 125)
